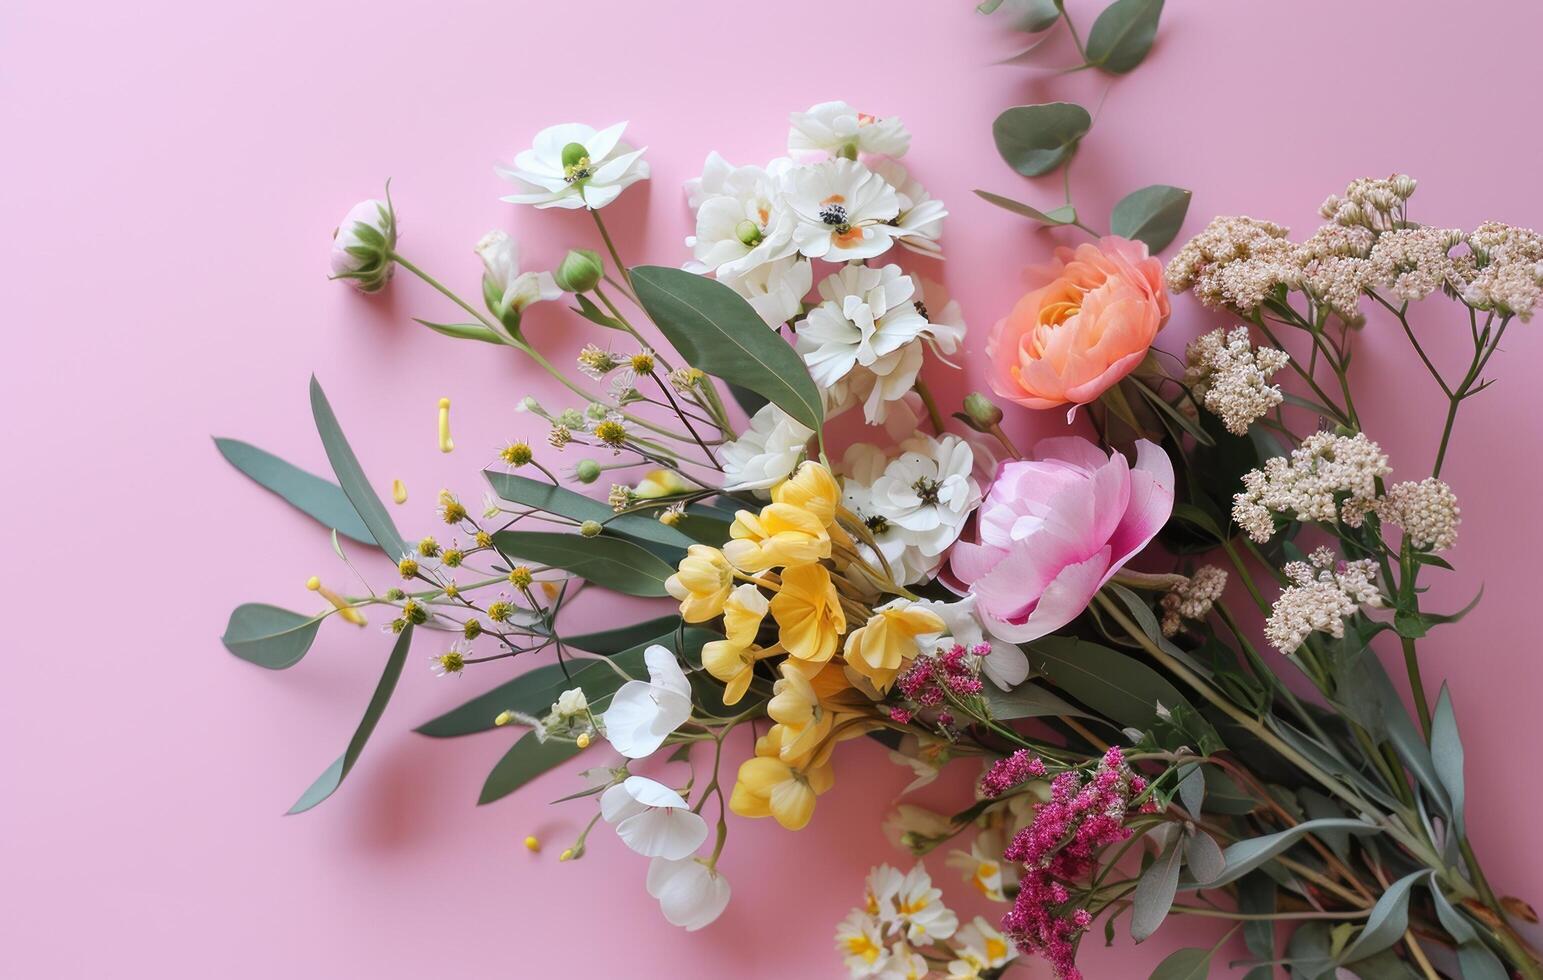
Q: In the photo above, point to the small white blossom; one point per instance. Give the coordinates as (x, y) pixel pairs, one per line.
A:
(572, 165)
(929, 491)
(776, 289)
(652, 819)
(920, 221)
(1321, 595)
(509, 289)
(866, 314)
(1304, 485)
(644, 713)
(837, 128)
(766, 452)
(1231, 378)
(691, 895)
(1427, 511)
(742, 223)
(843, 209)
(1193, 599)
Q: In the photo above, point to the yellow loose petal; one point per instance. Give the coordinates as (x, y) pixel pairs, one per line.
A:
(878, 649)
(532, 844)
(398, 492)
(445, 442)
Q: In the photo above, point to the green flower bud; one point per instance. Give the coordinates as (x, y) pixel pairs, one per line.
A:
(588, 471)
(580, 271)
(590, 528)
(573, 154)
(364, 243)
(981, 410)
(572, 418)
(748, 233)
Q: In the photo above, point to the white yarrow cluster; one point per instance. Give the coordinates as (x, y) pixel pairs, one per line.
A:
(1323, 593)
(1507, 264)
(1427, 511)
(1193, 599)
(1231, 378)
(1235, 262)
(1305, 485)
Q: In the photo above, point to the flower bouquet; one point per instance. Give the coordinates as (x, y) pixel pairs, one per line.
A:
(935, 587)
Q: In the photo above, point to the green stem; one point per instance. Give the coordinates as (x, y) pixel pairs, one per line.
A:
(933, 415)
(610, 247)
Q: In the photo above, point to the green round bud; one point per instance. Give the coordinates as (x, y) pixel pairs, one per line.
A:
(588, 471)
(580, 271)
(748, 233)
(529, 404)
(981, 410)
(572, 418)
(596, 411)
(574, 154)
(590, 528)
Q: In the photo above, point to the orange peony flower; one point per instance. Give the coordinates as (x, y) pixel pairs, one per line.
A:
(1087, 324)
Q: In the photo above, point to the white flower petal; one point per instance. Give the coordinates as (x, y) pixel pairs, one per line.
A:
(689, 894)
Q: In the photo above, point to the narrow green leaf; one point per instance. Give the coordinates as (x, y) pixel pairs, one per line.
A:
(1189, 963)
(464, 331)
(1033, 16)
(1155, 890)
(269, 636)
(715, 329)
(1223, 795)
(1152, 215)
(527, 759)
(1123, 34)
(748, 400)
(1051, 218)
(328, 782)
(1111, 683)
(321, 499)
(589, 311)
(1035, 139)
(351, 476)
(611, 563)
(1028, 700)
(1246, 855)
(1387, 922)
(1192, 788)
(575, 506)
(614, 641)
(1256, 896)
(1171, 416)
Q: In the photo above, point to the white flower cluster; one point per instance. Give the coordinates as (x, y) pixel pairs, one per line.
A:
(1320, 597)
(1231, 378)
(1507, 269)
(1427, 511)
(1193, 599)
(1412, 263)
(1377, 203)
(1305, 485)
(904, 911)
(1235, 262)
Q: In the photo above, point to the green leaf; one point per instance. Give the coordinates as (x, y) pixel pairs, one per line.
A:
(611, 563)
(1446, 750)
(747, 399)
(1123, 34)
(1387, 922)
(1033, 16)
(1202, 856)
(1473, 957)
(1171, 417)
(527, 759)
(1028, 700)
(351, 476)
(575, 506)
(613, 641)
(1060, 216)
(1155, 890)
(1116, 686)
(322, 499)
(1152, 215)
(465, 331)
(1223, 795)
(1035, 139)
(1309, 953)
(328, 782)
(1246, 855)
(269, 636)
(1192, 788)
(1256, 896)
(589, 311)
(706, 525)
(1190, 963)
(715, 329)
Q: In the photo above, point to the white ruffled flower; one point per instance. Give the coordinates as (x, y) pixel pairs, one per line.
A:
(981, 867)
(643, 713)
(691, 895)
(571, 703)
(507, 288)
(863, 464)
(837, 128)
(880, 892)
(929, 490)
(1006, 665)
(652, 819)
(915, 828)
(866, 314)
(843, 210)
(861, 944)
(945, 319)
(765, 453)
(920, 221)
(742, 223)
(571, 165)
(776, 290)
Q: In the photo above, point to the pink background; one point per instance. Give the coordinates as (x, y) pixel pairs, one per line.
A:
(172, 173)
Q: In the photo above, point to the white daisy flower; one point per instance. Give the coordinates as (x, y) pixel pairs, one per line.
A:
(837, 128)
(776, 290)
(920, 221)
(922, 913)
(904, 963)
(572, 165)
(867, 314)
(863, 464)
(766, 452)
(861, 944)
(929, 490)
(843, 210)
(980, 947)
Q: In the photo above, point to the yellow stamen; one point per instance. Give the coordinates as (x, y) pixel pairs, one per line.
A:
(445, 442)
(531, 844)
(566, 855)
(398, 492)
(504, 718)
(582, 741)
(338, 602)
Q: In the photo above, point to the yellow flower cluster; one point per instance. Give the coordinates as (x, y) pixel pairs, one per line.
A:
(796, 550)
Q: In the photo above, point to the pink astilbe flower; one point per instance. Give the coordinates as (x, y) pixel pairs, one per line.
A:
(1004, 774)
(1084, 815)
(930, 681)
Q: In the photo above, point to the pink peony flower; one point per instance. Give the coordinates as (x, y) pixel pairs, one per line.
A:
(1088, 322)
(1053, 530)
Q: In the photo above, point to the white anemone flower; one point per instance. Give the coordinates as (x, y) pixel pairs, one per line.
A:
(1006, 665)
(509, 289)
(743, 225)
(643, 713)
(776, 290)
(837, 128)
(691, 895)
(572, 165)
(653, 819)
(919, 224)
(866, 314)
(765, 453)
(843, 210)
(929, 490)
(863, 464)
(885, 383)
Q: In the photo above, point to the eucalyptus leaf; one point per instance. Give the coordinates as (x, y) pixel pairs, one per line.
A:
(526, 759)
(1060, 216)
(1154, 892)
(613, 641)
(328, 782)
(1035, 139)
(575, 506)
(1223, 795)
(715, 329)
(1387, 922)
(1400, 730)
(1111, 683)
(322, 499)
(1476, 962)
(1246, 855)
(1446, 749)
(1189, 963)
(1123, 34)
(1256, 896)
(1192, 788)
(1152, 215)
(464, 331)
(351, 476)
(1309, 951)
(1033, 16)
(1029, 700)
(1203, 857)
(611, 563)
(269, 636)
(1473, 957)
(750, 401)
